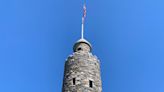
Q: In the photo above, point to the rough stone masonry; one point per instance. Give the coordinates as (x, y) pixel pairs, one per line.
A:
(82, 70)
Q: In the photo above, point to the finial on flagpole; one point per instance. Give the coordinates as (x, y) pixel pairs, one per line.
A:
(83, 19)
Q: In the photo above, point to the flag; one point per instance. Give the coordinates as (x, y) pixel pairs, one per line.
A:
(84, 13)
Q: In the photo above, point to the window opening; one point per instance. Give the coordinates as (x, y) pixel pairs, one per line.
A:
(74, 81)
(90, 83)
(79, 49)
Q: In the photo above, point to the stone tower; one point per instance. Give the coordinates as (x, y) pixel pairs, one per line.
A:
(82, 70)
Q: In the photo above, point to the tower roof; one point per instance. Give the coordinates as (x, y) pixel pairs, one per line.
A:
(82, 40)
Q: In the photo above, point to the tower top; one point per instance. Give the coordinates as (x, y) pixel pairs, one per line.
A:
(82, 44)
(78, 45)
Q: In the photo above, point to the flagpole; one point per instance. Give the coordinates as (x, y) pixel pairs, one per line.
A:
(82, 29)
(83, 19)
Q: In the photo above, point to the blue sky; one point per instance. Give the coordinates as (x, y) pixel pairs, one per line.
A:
(36, 36)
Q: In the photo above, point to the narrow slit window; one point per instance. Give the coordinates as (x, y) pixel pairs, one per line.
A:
(74, 81)
(90, 83)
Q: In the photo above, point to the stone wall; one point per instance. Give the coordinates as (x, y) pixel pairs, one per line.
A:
(82, 73)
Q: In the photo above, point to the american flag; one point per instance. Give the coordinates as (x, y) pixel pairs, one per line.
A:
(84, 13)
